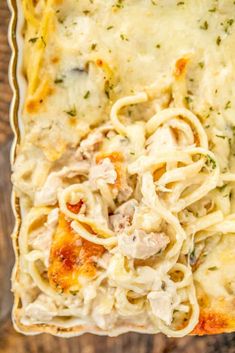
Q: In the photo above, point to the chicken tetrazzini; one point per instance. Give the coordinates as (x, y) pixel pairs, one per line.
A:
(126, 192)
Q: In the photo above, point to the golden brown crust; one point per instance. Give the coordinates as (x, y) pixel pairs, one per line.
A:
(212, 322)
(70, 257)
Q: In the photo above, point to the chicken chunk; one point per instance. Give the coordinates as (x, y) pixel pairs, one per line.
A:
(41, 239)
(102, 172)
(123, 215)
(43, 309)
(47, 195)
(141, 245)
(89, 145)
(162, 138)
(161, 305)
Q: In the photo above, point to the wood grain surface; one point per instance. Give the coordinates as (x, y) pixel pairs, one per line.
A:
(12, 342)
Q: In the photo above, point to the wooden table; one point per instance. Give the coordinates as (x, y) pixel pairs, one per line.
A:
(12, 342)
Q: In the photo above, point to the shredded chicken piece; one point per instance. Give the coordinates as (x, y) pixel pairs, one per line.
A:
(147, 219)
(93, 141)
(89, 145)
(52, 218)
(47, 195)
(102, 172)
(183, 134)
(161, 305)
(141, 245)
(161, 139)
(43, 309)
(124, 192)
(202, 207)
(123, 215)
(103, 313)
(164, 300)
(41, 239)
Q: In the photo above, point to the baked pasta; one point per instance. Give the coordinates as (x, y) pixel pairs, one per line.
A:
(124, 171)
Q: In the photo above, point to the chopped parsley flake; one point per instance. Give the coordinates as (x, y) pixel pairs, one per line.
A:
(33, 40)
(158, 46)
(109, 27)
(188, 99)
(230, 21)
(210, 161)
(227, 105)
(221, 136)
(72, 112)
(74, 292)
(204, 26)
(86, 95)
(212, 10)
(227, 24)
(119, 4)
(221, 188)
(61, 20)
(93, 46)
(201, 64)
(192, 257)
(218, 40)
(213, 268)
(180, 3)
(124, 37)
(107, 88)
(43, 41)
(58, 80)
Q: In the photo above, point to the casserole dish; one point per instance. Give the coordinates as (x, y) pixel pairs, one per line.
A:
(123, 167)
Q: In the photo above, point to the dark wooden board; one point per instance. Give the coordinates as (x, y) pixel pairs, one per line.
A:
(12, 342)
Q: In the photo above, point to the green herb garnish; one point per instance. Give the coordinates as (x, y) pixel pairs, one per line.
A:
(201, 64)
(124, 37)
(58, 80)
(210, 161)
(43, 41)
(192, 257)
(93, 46)
(222, 188)
(204, 26)
(228, 105)
(218, 40)
(86, 95)
(188, 99)
(71, 112)
(33, 40)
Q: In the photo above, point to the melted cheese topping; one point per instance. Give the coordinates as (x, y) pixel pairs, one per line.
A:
(71, 257)
(128, 130)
